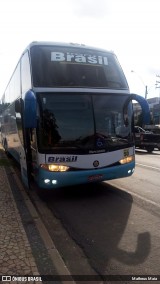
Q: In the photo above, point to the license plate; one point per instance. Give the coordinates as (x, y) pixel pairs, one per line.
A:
(95, 177)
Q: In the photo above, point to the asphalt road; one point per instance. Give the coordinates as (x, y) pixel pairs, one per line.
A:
(110, 228)
(145, 181)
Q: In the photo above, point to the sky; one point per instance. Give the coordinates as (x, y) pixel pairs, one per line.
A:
(130, 28)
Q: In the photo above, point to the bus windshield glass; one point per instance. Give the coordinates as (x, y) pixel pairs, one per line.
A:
(78, 123)
(56, 66)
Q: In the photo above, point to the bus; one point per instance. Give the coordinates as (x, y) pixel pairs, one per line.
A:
(67, 116)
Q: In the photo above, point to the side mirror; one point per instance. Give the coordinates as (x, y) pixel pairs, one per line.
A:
(144, 105)
(30, 109)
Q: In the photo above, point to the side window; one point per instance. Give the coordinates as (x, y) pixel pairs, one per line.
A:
(25, 73)
(13, 89)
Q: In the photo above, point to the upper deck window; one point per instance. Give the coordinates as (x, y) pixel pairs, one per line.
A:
(57, 66)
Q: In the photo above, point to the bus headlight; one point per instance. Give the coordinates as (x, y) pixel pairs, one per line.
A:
(54, 167)
(126, 160)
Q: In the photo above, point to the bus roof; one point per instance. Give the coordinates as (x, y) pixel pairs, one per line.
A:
(63, 44)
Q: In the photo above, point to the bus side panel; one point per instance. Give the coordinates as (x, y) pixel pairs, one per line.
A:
(10, 137)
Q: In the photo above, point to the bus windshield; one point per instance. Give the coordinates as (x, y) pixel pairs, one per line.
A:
(56, 66)
(78, 123)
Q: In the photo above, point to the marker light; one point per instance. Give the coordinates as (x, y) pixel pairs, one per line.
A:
(54, 168)
(127, 160)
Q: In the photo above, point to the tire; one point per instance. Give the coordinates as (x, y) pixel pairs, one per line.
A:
(150, 149)
(6, 147)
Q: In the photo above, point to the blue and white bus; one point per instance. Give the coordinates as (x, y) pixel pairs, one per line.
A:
(67, 116)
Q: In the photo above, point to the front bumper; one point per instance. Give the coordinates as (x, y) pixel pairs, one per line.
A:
(51, 180)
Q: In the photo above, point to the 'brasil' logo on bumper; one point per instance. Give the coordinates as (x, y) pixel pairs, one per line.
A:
(61, 159)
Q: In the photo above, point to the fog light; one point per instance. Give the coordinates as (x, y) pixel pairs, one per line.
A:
(47, 180)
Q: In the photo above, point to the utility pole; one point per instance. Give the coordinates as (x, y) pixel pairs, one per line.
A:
(146, 87)
(158, 87)
(146, 92)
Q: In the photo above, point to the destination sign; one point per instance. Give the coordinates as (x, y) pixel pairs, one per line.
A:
(78, 58)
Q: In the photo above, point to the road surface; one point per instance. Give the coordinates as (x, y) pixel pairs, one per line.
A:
(110, 228)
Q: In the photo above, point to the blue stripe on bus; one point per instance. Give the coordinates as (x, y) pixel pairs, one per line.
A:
(51, 180)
